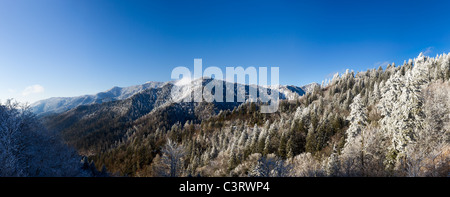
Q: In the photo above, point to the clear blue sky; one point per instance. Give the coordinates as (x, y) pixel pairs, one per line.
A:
(73, 47)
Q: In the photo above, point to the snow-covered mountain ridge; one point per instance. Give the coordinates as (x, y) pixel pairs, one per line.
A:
(61, 104)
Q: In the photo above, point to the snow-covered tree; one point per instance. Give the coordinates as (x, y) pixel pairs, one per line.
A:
(270, 166)
(401, 103)
(353, 151)
(332, 164)
(357, 118)
(28, 149)
(11, 144)
(427, 156)
(305, 165)
(173, 159)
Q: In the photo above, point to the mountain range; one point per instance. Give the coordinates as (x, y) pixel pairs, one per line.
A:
(61, 104)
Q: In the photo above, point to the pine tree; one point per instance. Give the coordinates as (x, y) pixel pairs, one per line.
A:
(357, 118)
(311, 140)
(266, 149)
(282, 146)
(401, 103)
(289, 148)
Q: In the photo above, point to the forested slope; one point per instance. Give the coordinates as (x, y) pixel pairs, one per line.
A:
(380, 122)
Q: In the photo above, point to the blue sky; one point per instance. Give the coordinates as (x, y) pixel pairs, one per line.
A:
(54, 48)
